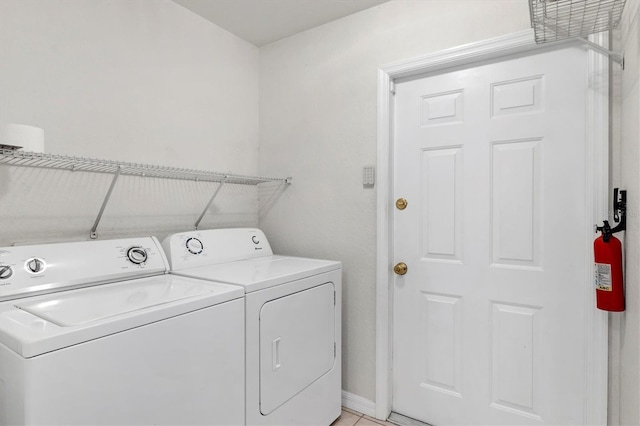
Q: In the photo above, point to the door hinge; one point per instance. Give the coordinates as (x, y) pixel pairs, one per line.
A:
(392, 87)
(334, 298)
(334, 349)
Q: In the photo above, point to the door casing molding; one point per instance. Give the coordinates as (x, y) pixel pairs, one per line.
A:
(597, 115)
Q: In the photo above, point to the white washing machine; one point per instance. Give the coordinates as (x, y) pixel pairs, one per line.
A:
(134, 345)
(293, 321)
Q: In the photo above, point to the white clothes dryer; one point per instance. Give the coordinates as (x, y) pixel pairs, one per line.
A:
(293, 321)
(97, 333)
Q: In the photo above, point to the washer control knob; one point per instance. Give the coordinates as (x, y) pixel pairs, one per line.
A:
(194, 246)
(137, 255)
(5, 272)
(35, 265)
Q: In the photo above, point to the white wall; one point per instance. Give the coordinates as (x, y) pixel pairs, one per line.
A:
(318, 123)
(137, 80)
(625, 328)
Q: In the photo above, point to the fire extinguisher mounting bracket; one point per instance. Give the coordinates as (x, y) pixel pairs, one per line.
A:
(619, 215)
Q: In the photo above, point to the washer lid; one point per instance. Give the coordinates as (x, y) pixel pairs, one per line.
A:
(45, 323)
(262, 272)
(76, 308)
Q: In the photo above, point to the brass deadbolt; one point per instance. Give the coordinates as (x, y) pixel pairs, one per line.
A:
(401, 203)
(400, 268)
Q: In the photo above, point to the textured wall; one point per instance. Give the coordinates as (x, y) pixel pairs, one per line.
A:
(137, 80)
(318, 122)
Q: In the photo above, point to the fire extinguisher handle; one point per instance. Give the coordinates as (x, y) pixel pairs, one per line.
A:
(606, 231)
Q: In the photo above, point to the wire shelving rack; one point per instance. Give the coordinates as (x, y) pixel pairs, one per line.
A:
(13, 157)
(554, 20)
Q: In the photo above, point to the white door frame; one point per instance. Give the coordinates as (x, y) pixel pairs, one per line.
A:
(596, 324)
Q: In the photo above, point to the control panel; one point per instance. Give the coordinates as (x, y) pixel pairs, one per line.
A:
(30, 270)
(209, 247)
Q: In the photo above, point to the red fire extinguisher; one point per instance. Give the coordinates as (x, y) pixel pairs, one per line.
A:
(607, 250)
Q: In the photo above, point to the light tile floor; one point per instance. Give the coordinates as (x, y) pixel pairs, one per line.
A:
(351, 418)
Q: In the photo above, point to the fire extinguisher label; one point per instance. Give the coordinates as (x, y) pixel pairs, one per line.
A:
(602, 275)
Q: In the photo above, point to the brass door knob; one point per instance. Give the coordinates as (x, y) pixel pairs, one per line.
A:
(401, 203)
(400, 268)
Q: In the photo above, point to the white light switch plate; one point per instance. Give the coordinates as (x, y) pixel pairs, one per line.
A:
(368, 176)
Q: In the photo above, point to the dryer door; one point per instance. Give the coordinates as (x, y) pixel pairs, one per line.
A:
(297, 338)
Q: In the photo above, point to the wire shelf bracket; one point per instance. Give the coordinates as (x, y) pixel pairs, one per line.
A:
(213, 197)
(616, 57)
(94, 229)
(13, 157)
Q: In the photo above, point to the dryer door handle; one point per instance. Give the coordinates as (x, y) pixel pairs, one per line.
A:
(275, 353)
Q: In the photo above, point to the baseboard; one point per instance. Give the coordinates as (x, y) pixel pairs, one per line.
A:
(358, 403)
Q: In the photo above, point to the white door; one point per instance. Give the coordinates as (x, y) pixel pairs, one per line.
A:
(488, 322)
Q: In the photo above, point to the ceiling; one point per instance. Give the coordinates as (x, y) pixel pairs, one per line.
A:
(262, 22)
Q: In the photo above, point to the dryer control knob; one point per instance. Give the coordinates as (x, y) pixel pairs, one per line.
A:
(137, 255)
(194, 246)
(35, 265)
(5, 272)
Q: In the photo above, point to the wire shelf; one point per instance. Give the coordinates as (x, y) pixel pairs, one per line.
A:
(554, 20)
(63, 162)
